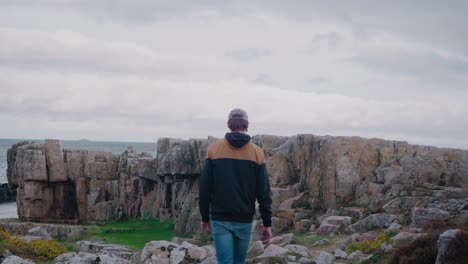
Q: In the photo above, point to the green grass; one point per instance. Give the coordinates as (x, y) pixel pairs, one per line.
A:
(132, 233)
(309, 240)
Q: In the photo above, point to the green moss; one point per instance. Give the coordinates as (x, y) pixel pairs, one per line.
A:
(3, 245)
(132, 233)
(465, 207)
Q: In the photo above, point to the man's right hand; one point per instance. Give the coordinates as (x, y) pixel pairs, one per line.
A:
(266, 235)
(206, 227)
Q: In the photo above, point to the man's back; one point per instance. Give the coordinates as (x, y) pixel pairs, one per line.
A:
(235, 173)
(234, 176)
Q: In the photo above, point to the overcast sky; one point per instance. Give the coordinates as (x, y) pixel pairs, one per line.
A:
(140, 70)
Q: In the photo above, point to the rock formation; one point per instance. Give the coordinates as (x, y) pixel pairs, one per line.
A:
(348, 176)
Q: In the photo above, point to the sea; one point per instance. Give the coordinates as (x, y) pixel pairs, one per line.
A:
(8, 210)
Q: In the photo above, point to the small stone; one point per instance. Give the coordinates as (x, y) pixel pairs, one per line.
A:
(305, 260)
(255, 250)
(325, 258)
(394, 227)
(282, 240)
(341, 254)
(356, 254)
(298, 249)
(321, 242)
(302, 226)
(40, 232)
(386, 247)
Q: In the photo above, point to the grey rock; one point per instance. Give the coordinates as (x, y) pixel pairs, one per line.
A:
(16, 260)
(386, 247)
(340, 254)
(325, 258)
(39, 231)
(298, 249)
(194, 253)
(86, 258)
(302, 226)
(210, 260)
(404, 239)
(256, 249)
(304, 260)
(56, 166)
(177, 255)
(282, 240)
(328, 229)
(274, 251)
(357, 255)
(394, 227)
(425, 216)
(375, 221)
(105, 248)
(447, 240)
(321, 242)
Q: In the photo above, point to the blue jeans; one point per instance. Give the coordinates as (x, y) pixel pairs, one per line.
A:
(231, 240)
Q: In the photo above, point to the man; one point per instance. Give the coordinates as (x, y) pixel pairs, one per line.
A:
(234, 177)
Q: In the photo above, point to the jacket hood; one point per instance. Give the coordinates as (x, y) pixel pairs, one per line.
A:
(237, 140)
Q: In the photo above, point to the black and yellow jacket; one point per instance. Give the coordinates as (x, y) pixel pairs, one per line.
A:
(234, 177)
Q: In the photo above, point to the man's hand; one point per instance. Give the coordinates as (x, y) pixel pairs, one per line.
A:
(206, 227)
(266, 235)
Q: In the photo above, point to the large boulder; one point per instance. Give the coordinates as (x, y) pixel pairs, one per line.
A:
(39, 231)
(405, 239)
(16, 260)
(375, 221)
(425, 216)
(333, 225)
(452, 247)
(111, 250)
(325, 258)
(82, 257)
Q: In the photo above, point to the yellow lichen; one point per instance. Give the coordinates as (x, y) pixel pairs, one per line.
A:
(369, 246)
(40, 250)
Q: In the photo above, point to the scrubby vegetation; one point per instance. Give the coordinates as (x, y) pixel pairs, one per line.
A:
(39, 250)
(424, 250)
(134, 233)
(369, 246)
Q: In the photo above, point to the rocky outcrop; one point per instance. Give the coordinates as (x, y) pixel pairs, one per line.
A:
(308, 173)
(452, 247)
(7, 194)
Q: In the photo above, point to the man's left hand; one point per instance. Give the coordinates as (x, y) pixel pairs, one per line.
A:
(206, 227)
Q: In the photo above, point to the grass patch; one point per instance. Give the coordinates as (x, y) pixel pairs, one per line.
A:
(132, 233)
(308, 240)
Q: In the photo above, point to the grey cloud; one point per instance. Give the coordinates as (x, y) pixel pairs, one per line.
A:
(30, 50)
(331, 39)
(247, 54)
(424, 65)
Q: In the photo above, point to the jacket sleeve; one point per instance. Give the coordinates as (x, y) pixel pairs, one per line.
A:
(264, 195)
(205, 191)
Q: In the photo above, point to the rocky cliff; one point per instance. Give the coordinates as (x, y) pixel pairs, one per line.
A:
(309, 174)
